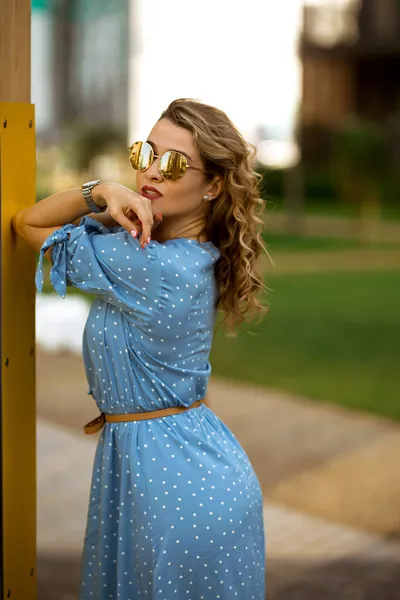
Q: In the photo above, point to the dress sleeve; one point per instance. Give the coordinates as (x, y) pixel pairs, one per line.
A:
(108, 263)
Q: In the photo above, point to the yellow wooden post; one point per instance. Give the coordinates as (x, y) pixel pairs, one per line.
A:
(18, 408)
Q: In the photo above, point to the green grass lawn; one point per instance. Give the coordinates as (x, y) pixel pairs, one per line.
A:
(277, 242)
(330, 336)
(327, 208)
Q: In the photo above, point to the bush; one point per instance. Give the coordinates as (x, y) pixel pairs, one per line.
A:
(361, 147)
(318, 184)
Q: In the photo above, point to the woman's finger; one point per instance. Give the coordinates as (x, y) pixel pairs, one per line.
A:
(121, 218)
(146, 216)
(137, 223)
(137, 228)
(127, 218)
(157, 220)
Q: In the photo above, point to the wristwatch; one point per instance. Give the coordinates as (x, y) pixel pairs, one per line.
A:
(87, 194)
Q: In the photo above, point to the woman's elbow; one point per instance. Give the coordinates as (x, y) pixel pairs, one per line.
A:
(16, 224)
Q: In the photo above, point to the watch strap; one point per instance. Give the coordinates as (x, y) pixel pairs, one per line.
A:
(87, 195)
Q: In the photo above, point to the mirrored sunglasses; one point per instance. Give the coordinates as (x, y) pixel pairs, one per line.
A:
(172, 166)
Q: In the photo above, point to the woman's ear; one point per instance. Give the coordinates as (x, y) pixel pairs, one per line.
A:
(216, 187)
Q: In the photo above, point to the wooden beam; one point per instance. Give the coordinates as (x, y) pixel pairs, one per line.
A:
(15, 50)
(18, 357)
(17, 297)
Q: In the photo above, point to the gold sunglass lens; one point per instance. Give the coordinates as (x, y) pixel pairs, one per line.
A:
(141, 156)
(173, 165)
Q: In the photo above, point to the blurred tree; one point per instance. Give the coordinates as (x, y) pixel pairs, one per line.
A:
(360, 160)
(393, 126)
(84, 143)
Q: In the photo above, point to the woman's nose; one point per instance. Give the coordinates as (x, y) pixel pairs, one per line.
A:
(152, 172)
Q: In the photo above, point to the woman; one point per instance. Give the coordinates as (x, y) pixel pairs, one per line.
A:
(175, 509)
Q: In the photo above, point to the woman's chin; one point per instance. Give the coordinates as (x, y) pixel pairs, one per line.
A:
(157, 205)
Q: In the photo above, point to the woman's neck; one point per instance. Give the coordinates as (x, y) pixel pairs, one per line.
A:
(170, 228)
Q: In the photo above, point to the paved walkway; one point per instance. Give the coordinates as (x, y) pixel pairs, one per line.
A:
(306, 545)
(329, 478)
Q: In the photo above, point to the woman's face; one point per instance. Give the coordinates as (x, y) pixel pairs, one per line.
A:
(182, 197)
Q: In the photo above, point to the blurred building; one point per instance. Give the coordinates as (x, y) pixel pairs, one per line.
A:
(80, 54)
(350, 54)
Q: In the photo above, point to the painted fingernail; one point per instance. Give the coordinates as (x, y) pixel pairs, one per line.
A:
(133, 233)
(148, 240)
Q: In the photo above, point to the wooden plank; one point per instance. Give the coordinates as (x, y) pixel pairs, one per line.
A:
(18, 407)
(15, 50)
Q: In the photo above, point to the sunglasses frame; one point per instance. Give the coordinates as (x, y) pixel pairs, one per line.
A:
(154, 155)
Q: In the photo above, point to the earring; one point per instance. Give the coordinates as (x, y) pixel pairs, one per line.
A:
(206, 198)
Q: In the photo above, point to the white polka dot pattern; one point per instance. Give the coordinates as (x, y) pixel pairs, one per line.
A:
(175, 508)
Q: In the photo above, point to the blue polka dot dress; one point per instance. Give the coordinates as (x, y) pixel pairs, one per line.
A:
(175, 508)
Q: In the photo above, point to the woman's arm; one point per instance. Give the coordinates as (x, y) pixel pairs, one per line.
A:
(37, 222)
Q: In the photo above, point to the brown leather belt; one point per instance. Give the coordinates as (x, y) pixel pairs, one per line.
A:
(98, 423)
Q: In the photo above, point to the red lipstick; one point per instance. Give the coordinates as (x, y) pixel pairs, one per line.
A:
(150, 192)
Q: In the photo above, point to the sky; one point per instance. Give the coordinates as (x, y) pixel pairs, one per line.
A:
(239, 56)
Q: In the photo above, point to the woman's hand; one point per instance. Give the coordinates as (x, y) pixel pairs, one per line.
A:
(131, 210)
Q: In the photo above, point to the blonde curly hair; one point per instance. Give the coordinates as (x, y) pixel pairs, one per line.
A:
(235, 217)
